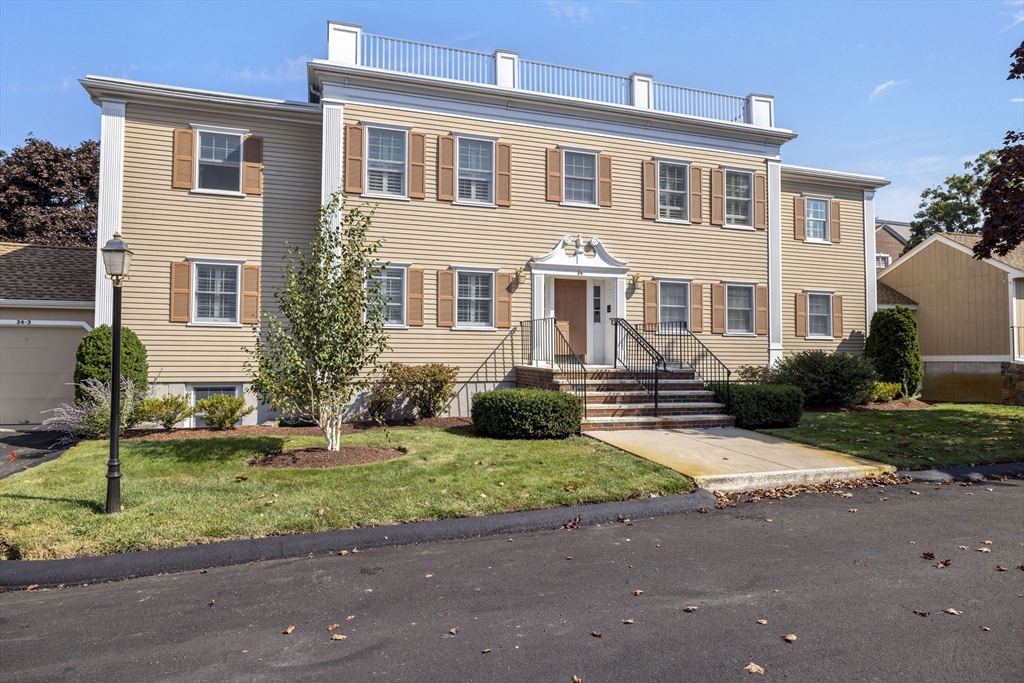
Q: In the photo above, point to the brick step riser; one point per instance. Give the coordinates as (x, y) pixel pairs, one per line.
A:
(598, 376)
(664, 411)
(643, 397)
(681, 423)
(675, 385)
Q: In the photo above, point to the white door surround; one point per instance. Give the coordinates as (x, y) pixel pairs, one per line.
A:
(598, 268)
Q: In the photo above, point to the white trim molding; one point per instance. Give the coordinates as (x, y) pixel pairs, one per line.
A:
(111, 193)
(24, 322)
(332, 170)
(870, 270)
(774, 262)
(45, 303)
(966, 359)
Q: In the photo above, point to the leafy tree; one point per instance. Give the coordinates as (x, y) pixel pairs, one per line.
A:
(953, 206)
(49, 194)
(310, 363)
(1003, 198)
(893, 349)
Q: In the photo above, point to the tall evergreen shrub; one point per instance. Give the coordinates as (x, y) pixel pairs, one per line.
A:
(92, 359)
(893, 349)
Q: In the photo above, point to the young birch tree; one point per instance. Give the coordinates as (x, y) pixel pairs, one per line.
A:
(330, 335)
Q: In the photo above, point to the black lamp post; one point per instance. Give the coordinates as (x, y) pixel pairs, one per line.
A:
(117, 258)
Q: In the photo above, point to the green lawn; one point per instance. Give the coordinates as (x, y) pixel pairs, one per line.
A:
(186, 491)
(945, 435)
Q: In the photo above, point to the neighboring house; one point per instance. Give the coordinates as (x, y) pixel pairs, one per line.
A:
(891, 238)
(46, 306)
(970, 314)
(507, 191)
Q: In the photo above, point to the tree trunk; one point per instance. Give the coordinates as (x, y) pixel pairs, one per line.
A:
(330, 422)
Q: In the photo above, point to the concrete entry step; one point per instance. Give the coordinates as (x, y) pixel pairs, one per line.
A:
(731, 459)
(624, 423)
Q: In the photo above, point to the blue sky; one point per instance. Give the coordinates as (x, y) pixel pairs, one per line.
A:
(902, 89)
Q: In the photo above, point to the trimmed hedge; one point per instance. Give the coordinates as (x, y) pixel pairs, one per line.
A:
(893, 349)
(828, 380)
(527, 414)
(92, 359)
(758, 406)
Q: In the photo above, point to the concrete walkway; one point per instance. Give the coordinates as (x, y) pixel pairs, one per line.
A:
(731, 459)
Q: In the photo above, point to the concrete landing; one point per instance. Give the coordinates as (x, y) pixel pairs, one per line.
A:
(730, 459)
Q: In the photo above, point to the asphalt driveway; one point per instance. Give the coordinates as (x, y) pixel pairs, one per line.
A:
(30, 449)
(843, 574)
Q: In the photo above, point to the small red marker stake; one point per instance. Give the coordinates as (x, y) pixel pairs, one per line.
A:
(13, 456)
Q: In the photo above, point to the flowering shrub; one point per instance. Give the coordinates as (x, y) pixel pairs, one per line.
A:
(90, 419)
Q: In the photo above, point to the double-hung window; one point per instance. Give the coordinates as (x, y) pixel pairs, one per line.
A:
(474, 298)
(882, 261)
(674, 306)
(220, 161)
(739, 309)
(672, 195)
(386, 157)
(389, 284)
(738, 198)
(819, 315)
(580, 177)
(476, 170)
(817, 220)
(216, 293)
(202, 392)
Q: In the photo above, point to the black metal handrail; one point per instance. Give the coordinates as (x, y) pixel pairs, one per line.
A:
(496, 368)
(675, 342)
(640, 358)
(542, 343)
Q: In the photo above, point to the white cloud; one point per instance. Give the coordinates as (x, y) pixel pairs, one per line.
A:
(1017, 15)
(1017, 99)
(294, 70)
(883, 87)
(574, 12)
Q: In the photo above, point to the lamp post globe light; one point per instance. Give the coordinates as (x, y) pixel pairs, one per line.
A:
(117, 259)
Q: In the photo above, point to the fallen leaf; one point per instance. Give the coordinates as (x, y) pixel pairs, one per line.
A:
(763, 622)
(501, 484)
(915, 493)
(767, 520)
(853, 509)
(338, 636)
(986, 542)
(343, 552)
(950, 610)
(483, 652)
(241, 478)
(210, 604)
(333, 626)
(984, 550)
(789, 637)
(928, 556)
(921, 613)
(627, 621)
(454, 631)
(288, 631)
(690, 608)
(577, 679)
(963, 547)
(568, 557)
(202, 571)
(574, 523)
(596, 634)
(1001, 568)
(942, 564)
(427, 576)
(754, 669)
(570, 489)
(638, 592)
(350, 617)
(985, 628)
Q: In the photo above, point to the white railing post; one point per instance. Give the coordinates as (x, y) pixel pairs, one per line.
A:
(343, 43)
(761, 110)
(641, 90)
(506, 68)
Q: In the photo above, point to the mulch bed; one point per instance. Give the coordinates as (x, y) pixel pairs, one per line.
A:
(898, 404)
(320, 457)
(273, 430)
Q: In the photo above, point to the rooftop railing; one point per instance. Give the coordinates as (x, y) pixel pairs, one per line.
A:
(504, 68)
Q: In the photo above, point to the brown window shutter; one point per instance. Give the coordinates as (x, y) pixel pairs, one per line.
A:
(181, 292)
(837, 316)
(696, 194)
(446, 168)
(649, 178)
(696, 307)
(554, 175)
(250, 295)
(801, 314)
(799, 219)
(417, 165)
(446, 298)
(761, 309)
(184, 149)
(252, 171)
(760, 201)
(354, 158)
(718, 309)
(503, 188)
(604, 180)
(503, 300)
(414, 297)
(717, 197)
(834, 221)
(651, 302)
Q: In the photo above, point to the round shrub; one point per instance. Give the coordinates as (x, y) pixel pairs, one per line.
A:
(92, 359)
(893, 349)
(221, 411)
(527, 414)
(828, 380)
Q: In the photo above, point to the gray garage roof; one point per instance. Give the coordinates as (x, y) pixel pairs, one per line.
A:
(41, 273)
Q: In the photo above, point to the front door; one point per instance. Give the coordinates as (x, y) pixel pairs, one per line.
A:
(571, 313)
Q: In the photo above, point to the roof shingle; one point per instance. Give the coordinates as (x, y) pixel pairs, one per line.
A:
(887, 296)
(37, 272)
(1015, 259)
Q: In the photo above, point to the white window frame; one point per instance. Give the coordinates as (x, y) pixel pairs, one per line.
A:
(597, 172)
(190, 389)
(493, 140)
(472, 270)
(685, 220)
(749, 225)
(752, 286)
(818, 292)
(404, 267)
(199, 129)
(674, 281)
(827, 199)
(367, 126)
(888, 260)
(198, 261)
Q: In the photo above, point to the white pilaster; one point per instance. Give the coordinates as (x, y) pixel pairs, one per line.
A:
(343, 42)
(111, 191)
(870, 281)
(537, 296)
(761, 110)
(332, 155)
(641, 90)
(618, 311)
(774, 262)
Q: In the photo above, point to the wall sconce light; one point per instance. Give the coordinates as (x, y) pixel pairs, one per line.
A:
(637, 279)
(520, 276)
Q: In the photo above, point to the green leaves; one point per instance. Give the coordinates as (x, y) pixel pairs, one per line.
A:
(954, 205)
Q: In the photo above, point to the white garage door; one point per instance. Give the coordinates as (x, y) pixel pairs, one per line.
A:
(37, 366)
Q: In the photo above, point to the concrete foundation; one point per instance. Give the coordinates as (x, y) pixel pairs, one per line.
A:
(963, 382)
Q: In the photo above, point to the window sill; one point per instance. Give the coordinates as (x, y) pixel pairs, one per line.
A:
(809, 241)
(466, 202)
(213, 324)
(817, 338)
(579, 205)
(472, 328)
(745, 228)
(396, 327)
(739, 334)
(398, 197)
(674, 221)
(221, 193)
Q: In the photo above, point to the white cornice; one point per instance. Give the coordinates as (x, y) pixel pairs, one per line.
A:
(45, 303)
(870, 182)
